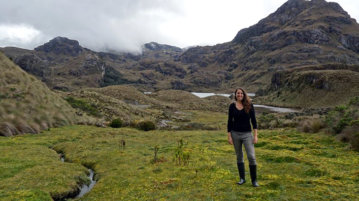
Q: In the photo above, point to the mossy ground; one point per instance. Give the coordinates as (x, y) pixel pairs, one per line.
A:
(291, 166)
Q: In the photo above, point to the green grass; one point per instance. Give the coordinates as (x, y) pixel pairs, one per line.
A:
(291, 166)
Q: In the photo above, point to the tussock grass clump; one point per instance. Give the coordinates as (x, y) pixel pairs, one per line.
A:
(311, 125)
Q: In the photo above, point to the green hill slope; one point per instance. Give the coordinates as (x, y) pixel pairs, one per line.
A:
(27, 105)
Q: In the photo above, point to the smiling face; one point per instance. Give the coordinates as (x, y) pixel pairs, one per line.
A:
(239, 95)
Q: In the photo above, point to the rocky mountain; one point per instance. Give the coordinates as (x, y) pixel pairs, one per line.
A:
(300, 33)
(298, 40)
(64, 65)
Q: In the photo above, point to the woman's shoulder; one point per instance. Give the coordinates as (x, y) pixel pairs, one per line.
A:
(252, 106)
(231, 106)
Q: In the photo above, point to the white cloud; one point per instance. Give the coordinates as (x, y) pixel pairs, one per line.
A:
(19, 34)
(127, 24)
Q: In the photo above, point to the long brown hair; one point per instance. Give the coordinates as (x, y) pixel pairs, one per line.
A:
(246, 101)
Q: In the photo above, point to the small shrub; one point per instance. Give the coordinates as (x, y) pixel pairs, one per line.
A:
(316, 125)
(116, 123)
(311, 125)
(146, 125)
(341, 108)
(181, 157)
(157, 159)
(351, 135)
(266, 121)
(289, 123)
(354, 101)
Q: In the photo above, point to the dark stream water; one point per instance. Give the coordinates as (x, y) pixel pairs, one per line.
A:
(84, 188)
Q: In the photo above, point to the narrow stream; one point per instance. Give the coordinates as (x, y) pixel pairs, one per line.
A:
(84, 188)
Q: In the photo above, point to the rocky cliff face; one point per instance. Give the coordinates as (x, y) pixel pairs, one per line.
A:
(300, 33)
(61, 46)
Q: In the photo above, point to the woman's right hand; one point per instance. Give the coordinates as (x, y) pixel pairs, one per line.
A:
(230, 141)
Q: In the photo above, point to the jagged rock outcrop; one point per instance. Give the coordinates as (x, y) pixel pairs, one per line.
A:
(61, 45)
(153, 46)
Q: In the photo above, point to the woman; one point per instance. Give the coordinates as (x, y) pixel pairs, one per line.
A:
(240, 116)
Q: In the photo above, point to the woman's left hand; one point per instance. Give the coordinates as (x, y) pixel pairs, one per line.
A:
(255, 139)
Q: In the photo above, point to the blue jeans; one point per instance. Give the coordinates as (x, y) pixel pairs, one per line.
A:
(246, 139)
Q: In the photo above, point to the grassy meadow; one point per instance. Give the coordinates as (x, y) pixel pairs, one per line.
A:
(174, 165)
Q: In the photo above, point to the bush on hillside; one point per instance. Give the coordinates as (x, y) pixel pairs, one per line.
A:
(82, 105)
(351, 134)
(116, 123)
(146, 125)
(344, 120)
(342, 116)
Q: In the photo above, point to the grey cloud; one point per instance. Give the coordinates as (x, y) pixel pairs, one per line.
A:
(121, 25)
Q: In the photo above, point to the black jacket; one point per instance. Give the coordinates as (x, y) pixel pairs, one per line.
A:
(239, 120)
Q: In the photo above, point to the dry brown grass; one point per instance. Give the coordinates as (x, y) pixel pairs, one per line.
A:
(311, 125)
(27, 105)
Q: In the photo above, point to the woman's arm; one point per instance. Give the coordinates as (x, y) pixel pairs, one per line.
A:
(230, 125)
(230, 119)
(252, 115)
(255, 136)
(230, 141)
(254, 125)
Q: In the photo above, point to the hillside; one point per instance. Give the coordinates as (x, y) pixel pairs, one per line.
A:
(173, 109)
(27, 105)
(312, 86)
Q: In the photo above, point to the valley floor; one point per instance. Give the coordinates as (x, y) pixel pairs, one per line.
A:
(174, 165)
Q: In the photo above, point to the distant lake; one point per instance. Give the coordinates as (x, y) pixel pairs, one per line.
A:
(261, 108)
(204, 95)
(275, 109)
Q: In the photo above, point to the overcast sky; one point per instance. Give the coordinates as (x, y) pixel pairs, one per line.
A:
(124, 25)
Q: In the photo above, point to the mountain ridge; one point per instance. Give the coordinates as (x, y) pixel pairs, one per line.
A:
(298, 34)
